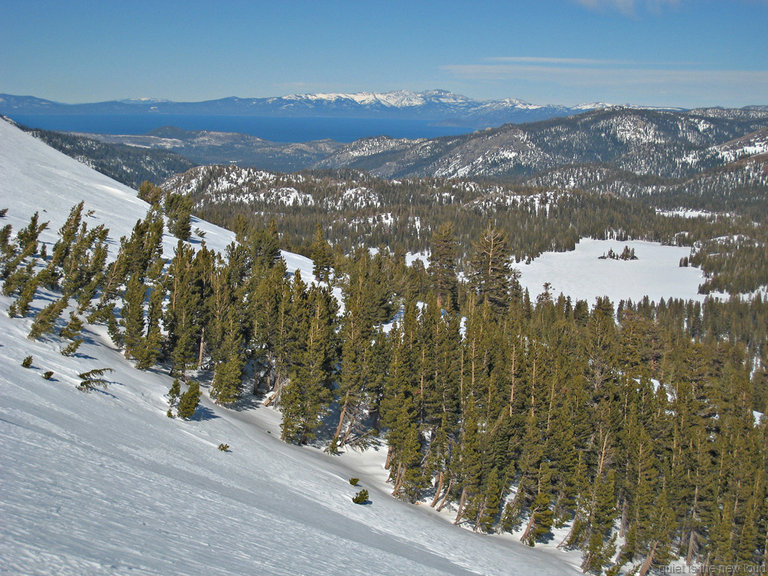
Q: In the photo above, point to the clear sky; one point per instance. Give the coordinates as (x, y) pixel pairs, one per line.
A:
(652, 52)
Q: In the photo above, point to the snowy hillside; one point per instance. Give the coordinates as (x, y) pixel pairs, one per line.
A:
(104, 483)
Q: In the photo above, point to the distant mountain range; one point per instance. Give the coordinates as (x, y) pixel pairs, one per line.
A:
(437, 106)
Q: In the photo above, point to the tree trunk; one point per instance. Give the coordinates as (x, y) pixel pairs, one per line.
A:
(530, 526)
(438, 489)
(648, 560)
(390, 454)
(462, 502)
(445, 496)
(342, 417)
(202, 347)
(398, 483)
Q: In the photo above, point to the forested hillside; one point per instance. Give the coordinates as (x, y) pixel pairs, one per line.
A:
(127, 164)
(632, 424)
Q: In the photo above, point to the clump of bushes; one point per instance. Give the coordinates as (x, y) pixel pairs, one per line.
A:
(361, 497)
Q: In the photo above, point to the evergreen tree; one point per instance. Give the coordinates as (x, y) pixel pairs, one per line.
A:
(491, 276)
(189, 400)
(322, 256)
(442, 267)
(308, 395)
(228, 374)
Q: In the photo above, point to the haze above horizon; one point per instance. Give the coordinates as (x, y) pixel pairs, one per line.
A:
(685, 53)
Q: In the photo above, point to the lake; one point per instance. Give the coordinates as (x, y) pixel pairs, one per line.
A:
(268, 128)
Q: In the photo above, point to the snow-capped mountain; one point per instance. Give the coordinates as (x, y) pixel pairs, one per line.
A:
(667, 144)
(439, 106)
(105, 483)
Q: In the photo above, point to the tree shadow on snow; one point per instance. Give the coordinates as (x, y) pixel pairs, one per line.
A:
(203, 413)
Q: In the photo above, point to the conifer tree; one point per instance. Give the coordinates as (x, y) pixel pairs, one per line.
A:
(189, 400)
(442, 266)
(600, 546)
(45, 320)
(182, 315)
(228, 374)
(322, 255)
(491, 276)
(308, 395)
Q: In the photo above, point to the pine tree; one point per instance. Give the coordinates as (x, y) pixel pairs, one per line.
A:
(600, 547)
(189, 400)
(322, 255)
(491, 276)
(228, 374)
(184, 308)
(45, 320)
(442, 266)
(308, 395)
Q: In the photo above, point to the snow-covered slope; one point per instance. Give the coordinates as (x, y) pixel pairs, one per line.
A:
(105, 483)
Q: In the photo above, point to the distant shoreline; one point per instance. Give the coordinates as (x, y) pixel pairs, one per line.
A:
(276, 129)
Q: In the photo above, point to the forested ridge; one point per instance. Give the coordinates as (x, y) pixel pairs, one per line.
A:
(728, 243)
(631, 424)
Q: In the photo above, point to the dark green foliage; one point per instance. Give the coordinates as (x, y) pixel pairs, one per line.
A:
(224, 447)
(151, 193)
(174, 393)
(361, 497)
(443, 266)
(21, 254)
(189, 400)
(183, 314)
(48, 374)
(45, 320)
(92, 378)
(71, 348)
(27, 362)
(178, 208)
(491, 275)
(354, 481)
(322, 255)
(314, 355)
(228, 374)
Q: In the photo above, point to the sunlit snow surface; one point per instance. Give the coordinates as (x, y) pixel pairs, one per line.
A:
(105, 483)
(582, 275)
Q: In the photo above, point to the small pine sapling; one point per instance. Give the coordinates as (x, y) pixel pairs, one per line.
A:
(224, 447)
(174, 393)
(188, 401)
(361, 497)
(71, 348)
(89, 380)
(48, 374)
(354, 481)
(27, 362)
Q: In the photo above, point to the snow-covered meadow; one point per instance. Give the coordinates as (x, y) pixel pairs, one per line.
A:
(582, 275)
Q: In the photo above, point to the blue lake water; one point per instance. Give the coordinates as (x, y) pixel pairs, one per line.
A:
(274, 129)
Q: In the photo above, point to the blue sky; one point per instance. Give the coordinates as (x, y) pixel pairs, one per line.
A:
(652, 52)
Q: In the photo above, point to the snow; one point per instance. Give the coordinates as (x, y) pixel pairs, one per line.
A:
(37, 178)
(581, 275)
(104, 483)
